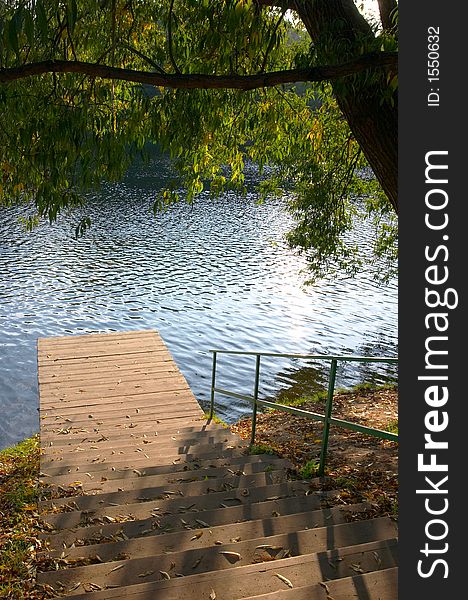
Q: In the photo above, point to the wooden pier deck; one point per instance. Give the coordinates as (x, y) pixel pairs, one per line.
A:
(149, 501)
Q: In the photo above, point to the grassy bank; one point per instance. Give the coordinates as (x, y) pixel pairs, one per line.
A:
(19, 525)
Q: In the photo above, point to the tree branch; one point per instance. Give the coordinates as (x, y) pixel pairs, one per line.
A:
(202, 81)
(386, 10)
(147, 59)
(271, 42)
(169, 38)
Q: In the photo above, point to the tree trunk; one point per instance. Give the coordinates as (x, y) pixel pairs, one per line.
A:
(374, 123)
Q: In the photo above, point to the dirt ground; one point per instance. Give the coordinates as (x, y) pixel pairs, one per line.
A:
(361, 467)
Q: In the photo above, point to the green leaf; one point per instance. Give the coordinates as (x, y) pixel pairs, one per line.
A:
(29, 27)
(72, 14)
(41, 19)
(13, 35)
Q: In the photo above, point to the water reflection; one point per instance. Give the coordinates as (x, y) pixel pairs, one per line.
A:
(217, 274)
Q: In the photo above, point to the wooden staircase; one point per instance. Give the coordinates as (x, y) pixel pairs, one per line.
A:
(166, 506)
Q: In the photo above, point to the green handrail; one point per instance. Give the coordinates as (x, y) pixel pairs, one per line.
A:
(326, 419)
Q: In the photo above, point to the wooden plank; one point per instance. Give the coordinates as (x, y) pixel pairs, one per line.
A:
(84, 355)
(118, 388)
(112, 367)
(168, 423)
(91, 347)
(376, 585)
(104, 375)
(131, 406)
(69, 340)
(50, 432)
(108, 357)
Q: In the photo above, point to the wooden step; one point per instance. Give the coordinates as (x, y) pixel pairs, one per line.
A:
(209, 500)
(169, 445)
(377, 585)
(171, 463)
(149, 454)
(239, 582)
(218, 557)
(145, 458)
(185, 537)
(95, 438)
(139, 479)
(187, 516)
(146, 492)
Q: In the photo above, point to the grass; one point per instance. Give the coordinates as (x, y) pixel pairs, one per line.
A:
(216, 420)
(392, 427)
(317, 397)
(321, 396)
(309, 470)
(261, 449)
(19, 527)
(367, 387)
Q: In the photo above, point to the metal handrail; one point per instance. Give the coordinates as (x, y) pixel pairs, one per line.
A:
(326, 419)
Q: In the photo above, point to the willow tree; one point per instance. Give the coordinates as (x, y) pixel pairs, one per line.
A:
(305, 87)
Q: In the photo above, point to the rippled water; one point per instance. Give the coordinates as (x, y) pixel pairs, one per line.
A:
(214, 275)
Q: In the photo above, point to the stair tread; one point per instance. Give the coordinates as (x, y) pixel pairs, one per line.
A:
(208, 500)
(236, 583)
(178, 469)
(376, 585)
(200, 453)
(215, 516)
(210, 558)
(254, 528)
(143, 479)
(167, 439)
(123, 497)
(85, 455)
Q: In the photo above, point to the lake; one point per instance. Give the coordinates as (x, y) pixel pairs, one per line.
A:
(217, 274)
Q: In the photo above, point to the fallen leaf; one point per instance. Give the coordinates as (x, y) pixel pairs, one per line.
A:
(231, 556)
(284, 579)
(116, 568)
(202, 523)
(75, 587)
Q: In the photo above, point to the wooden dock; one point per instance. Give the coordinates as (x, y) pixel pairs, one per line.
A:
(152, 502)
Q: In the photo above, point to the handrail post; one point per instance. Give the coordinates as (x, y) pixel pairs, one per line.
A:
(328, 413)
(255, 398)
(213, 382)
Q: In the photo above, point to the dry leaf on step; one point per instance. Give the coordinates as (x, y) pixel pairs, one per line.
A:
(285, 579)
